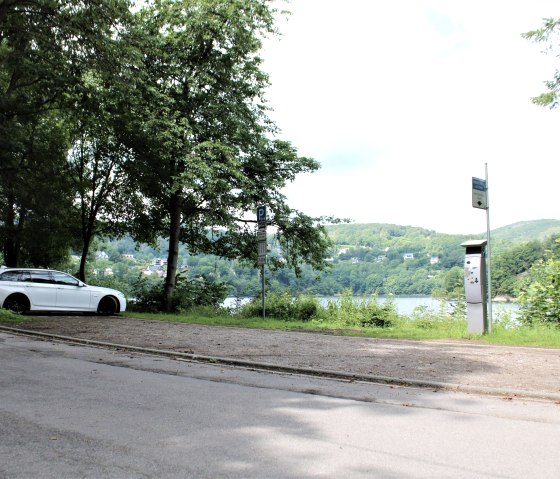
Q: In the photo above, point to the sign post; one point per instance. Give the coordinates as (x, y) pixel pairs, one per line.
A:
(261, 245)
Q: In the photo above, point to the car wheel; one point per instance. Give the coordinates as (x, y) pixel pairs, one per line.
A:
(107, 306)
(17, 303)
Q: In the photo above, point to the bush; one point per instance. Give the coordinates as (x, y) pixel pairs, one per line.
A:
(110, 282)
(366, 312)
(306, 307)
(148, 295)
(283, 306)
(539, 295)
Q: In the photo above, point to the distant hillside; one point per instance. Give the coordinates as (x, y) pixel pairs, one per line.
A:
(527, 231)
(381, 234)
(365, 258)
(383, 238)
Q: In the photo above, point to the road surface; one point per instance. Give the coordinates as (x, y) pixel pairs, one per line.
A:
(79, 412)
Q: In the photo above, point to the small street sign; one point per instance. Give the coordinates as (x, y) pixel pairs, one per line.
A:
(261, 235)
(261, 214)
(261, 260)
(262, 248)
(479, 194)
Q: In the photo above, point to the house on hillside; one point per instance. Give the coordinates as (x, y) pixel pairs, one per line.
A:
(408, 256)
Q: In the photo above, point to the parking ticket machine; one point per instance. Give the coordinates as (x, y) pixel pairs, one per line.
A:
(475, 285)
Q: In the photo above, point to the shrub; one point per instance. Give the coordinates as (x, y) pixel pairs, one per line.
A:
(366, 312)
(306, 307)
(449, 318)
(539, 295)
(110, 282)
(148, 295)
(283, 306)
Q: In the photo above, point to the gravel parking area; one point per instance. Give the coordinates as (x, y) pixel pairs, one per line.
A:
(464, 363)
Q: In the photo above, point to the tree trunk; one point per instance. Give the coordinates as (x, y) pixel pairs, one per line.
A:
(11, 243)
(172, 257)
(83, 259)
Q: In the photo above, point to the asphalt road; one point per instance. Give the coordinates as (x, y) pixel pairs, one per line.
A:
(454, 364)
(79, 412)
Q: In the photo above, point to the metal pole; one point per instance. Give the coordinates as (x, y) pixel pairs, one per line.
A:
(489, 256)
(263, 298)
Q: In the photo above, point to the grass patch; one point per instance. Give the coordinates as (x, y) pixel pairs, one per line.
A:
(9, 317)
(370, 319)
(536, 335)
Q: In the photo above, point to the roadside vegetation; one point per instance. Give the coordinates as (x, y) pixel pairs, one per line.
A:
(362, 316)
(8, 316)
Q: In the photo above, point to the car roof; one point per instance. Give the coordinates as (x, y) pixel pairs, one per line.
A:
(11, 268)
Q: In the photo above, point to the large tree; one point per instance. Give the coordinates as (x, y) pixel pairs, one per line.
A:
(96, 166)
(190, 104)
(46, 47)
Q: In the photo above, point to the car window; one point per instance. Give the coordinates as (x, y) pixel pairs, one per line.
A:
(61, 278)
(10, 275)
(41, 277)
(25, 276)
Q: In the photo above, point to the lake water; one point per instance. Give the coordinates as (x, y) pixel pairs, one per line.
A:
(407, 304)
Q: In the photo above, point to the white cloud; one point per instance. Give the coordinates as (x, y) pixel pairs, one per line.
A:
(404, 101)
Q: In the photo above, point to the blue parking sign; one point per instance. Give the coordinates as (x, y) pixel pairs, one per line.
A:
(261, 214)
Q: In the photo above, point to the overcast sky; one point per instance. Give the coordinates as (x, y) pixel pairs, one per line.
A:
(403, 102)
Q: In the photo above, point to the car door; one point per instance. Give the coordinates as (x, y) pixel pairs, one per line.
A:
(41, 290)
(71, 294)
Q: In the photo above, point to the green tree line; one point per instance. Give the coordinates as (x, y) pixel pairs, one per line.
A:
(143, 119)
(364, 259)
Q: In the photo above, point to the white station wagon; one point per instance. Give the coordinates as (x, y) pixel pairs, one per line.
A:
(31, 289)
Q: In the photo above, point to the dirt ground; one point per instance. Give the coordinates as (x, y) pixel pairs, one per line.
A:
(463, 363)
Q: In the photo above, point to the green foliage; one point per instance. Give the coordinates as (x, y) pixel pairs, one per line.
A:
(149, 118)
(149, 295)
(366, 312)
(526, 231)
(352, 267)
(513, 262)
(536, 335)
(449, 317)
(46, 49)
(454, 282)
(190, 107)
(425, 323)
(539, 294)
(8, 316)
(283, 306)
(547, 34)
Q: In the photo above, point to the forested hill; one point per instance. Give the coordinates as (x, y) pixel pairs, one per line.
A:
(527, 231)
(370, 233)
(400, 238)
(395, 238)
(365, 258)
